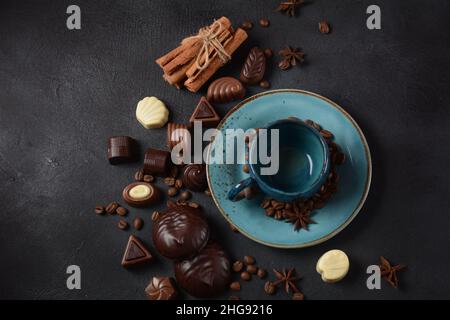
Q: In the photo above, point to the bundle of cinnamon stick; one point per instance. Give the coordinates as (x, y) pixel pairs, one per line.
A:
(193, 62)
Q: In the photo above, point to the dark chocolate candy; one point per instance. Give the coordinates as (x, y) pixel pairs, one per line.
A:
(141, 194)
(135, 253)
(205, 113)
(205, 275)
(157, 162)
(180, 232)
(161, 288)
(225, 89)
(194, 177)
(121, 149)
(176, 133)
(254, 67)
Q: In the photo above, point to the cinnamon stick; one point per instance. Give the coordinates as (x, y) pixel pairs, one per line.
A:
(162, 61)
(195, 82)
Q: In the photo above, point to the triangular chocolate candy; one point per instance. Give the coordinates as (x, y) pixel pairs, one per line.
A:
(135, 252)
(205, 113)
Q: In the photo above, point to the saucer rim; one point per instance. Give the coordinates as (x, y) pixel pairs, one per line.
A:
(368, 171)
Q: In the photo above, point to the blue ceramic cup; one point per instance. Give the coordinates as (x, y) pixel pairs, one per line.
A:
(304, 163)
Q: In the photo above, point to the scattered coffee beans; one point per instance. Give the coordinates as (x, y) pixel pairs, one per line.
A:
(148, 178)
(122, 225)
(237, 266)
(208, 192)
(234, 298)
(298, 296)
(111, 208)
(235, 286)
(169, 181)
(264, 23)
(324, 27)
(269, 288)
(121, 211)
(139, 175)
(248, 260)
(261, 273)
(155, 215)
(138, 223)
(99, 210)
(246, 168)
(264, 84)
(247, 25)
(178, 184)
(252, 269)
(185, 195)
(172, 192)
(268, 53)
(246, 276)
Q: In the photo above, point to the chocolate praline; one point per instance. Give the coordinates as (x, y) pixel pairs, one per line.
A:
(194, 177)
(205, 275)
(148, 194)
(180, 232)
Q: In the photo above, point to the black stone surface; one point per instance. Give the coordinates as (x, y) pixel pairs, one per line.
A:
(63, 93)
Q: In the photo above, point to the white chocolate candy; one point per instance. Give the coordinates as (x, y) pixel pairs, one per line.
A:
(333, 265)
(139, 192)
(152, 113)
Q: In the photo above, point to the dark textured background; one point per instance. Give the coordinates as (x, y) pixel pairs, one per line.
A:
(63, 93)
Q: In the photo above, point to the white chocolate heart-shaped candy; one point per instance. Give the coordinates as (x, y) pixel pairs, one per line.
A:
(333, 265)
(152, 113)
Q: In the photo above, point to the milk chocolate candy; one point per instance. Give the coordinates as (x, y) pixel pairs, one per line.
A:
(225, 89)
(180, 232)
(254, 67)
(157, 162)
(205, 275)
(205, 113)
(176, 133)
(121, 149)
(141, 194)
(161, 288)
(135, 253)
(194, 177)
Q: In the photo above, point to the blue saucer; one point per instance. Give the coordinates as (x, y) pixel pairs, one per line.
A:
(355, 174)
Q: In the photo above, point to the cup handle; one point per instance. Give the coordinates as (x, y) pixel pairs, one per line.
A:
(232, 194)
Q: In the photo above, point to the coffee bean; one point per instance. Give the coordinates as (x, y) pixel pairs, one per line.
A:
(138, 223)
(208, 192)
(246, 168)
(264, 23)
(248, 260)
(269, 288)
(298, 296)
(139, 175)
(278, 214)
(266, 203)
(233, 228)
(181, 202)
(169, 181)
(99, 210)
(172, 192)
(235, 286)
(149, 178)
(261, 273)
(326, 134)
(249, 192)
(252, 269)
(122, 224)
(247, 25)
(288, 206)
(246, 276)
(270, 211)
(237, 266)
(234, 298)
(155, 215)
(193, 205)
(178, 184)
(171, 204)
(186, 195)
(121, 211)
(324, 27)
(264, 84)
(111, 208)
(268, 53)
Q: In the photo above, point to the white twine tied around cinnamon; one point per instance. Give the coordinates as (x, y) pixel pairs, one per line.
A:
(211, 41)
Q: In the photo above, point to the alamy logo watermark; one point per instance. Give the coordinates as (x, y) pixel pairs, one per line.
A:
(74, 280)
(73, 22)
(374, 20)
(374, 280)
(228, 147)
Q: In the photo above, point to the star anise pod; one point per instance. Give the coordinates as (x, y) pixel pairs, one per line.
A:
(287, 278)
(288, 7)
(300, 219)
(290, 57)
(389, 272)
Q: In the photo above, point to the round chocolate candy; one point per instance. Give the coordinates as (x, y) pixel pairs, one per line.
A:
(140, 194)
(194, 177)
(205, 275)
(157, 162)
(180, 232)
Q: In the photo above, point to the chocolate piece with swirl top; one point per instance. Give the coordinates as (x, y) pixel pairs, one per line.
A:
(225, 89)
(254, 67)
(161, 288)
(180, 232)
(194, 177)
(205, 275)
